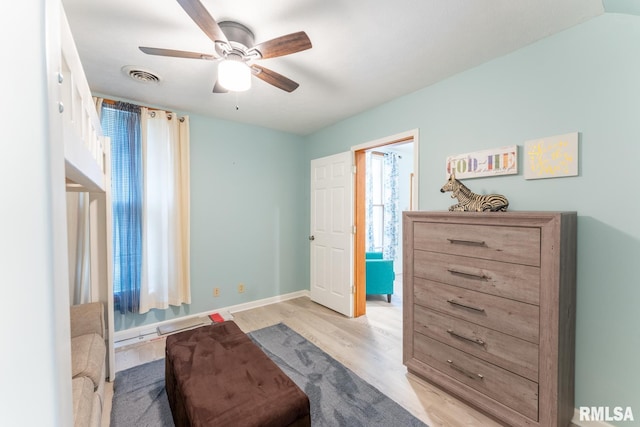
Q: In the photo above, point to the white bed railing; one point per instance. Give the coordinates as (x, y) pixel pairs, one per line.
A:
(84, 144)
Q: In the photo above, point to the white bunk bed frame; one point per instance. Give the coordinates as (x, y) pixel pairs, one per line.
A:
(87, 169)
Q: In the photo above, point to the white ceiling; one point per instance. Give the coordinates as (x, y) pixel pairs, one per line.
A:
(365, 52)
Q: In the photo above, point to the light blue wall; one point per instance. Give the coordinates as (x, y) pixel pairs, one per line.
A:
(250, 185)
(245, 221)
(586, 79)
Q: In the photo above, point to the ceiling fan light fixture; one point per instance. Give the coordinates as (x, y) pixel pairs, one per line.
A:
(234, 75)
(234, 45)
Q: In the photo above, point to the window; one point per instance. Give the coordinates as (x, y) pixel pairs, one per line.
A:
(377, 202)
(383, 217)
(150, 205)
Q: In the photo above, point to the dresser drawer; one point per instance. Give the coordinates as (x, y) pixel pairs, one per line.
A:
(513, 281)
(510, 353)
(511, 317)
(511, 390)
(520, 245)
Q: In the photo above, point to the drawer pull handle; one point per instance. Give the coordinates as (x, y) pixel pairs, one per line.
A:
(467, 242)
(464, 371)
(469, 275)
(470, 307)
(473, 340)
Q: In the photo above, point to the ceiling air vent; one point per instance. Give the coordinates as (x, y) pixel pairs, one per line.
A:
(141, 75)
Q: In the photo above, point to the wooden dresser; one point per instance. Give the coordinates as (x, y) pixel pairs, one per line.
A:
(489, 310)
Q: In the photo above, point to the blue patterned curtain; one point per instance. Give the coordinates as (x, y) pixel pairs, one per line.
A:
(391, 206)
(121, 122)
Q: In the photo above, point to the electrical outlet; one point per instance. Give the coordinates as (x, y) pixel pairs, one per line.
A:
(240, 288)
(216, 292)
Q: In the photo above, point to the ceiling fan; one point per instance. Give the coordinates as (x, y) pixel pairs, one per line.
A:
(234, 47)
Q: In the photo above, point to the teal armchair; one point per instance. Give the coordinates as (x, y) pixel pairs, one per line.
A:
(380, 275)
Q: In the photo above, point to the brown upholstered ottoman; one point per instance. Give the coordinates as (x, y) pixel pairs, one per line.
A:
(217, 376)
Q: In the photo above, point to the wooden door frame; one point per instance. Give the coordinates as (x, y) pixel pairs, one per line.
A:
(359, 274)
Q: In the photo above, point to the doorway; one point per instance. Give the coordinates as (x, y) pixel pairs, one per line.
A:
(403, 147)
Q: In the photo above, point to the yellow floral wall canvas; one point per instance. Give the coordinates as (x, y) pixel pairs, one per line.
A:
(551, 157)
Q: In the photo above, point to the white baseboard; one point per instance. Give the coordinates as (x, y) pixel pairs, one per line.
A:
(576, 421)
(261, 303)
(149, 332)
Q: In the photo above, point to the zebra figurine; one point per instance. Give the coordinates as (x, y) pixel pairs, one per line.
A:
(468, 201)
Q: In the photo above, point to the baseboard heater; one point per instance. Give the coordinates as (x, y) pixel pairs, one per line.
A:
(180, 325)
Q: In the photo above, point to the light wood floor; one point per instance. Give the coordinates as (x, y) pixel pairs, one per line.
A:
(371, 346)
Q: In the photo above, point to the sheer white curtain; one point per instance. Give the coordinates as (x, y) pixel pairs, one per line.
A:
(165, 247)
(78, 228)
(370, 237)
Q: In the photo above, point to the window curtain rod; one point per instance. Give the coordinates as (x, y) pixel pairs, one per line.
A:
(382, 153)
(152, 110)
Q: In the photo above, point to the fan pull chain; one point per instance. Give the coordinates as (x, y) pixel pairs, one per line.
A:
(237, 106)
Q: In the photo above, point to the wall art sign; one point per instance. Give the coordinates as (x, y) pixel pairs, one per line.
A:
(551, 157)
(497, 161)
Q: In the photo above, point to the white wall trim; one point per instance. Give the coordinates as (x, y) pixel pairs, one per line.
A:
(149, 332)
(576, 421)
(266, 301)
(413, 133)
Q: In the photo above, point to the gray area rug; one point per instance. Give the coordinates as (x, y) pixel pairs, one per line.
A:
(338, 396)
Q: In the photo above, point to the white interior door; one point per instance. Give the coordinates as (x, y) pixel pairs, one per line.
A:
(331, 236)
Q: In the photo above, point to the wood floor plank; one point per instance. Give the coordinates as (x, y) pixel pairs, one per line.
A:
(371, 346)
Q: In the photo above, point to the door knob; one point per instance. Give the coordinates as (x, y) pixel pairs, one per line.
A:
(312, 237)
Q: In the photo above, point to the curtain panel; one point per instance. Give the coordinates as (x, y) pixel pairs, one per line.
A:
(121, 122)
(165, 244)
(150, 198)
(370, 246)
(78, 229)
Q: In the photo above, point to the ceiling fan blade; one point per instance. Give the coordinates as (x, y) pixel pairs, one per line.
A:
(284, 45)
(175, 53)
(204, 20)
(217, 88)
(273, 78)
